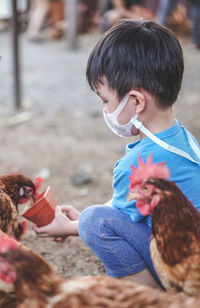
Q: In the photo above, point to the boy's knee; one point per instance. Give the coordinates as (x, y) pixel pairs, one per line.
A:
(89, 221)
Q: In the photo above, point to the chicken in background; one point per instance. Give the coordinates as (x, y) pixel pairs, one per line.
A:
(7, 291)
(38, 181)
(37, 285)
(175, 239)
(14, 189)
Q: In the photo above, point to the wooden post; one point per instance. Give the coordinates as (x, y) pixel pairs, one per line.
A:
(72, 22)
(16, 64)
(17, 116)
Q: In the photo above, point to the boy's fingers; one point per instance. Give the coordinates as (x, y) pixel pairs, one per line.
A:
(59, 239)
(43, 234)
(66, 209)
(58, 210)
(70, 212)
(40, 230)
(61, 211)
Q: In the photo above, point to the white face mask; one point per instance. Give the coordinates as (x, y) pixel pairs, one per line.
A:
(122, 130)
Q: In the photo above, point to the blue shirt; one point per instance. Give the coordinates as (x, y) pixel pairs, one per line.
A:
(185, 173)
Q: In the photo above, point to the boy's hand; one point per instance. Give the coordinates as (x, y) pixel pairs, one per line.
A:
(63, 225)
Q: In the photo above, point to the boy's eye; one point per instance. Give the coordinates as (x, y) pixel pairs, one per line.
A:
(105, 102)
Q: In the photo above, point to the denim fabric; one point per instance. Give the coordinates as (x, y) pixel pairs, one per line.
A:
(120, 243)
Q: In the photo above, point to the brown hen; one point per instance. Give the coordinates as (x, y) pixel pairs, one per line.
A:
(175, 240)
(37, 285)
(13, 190)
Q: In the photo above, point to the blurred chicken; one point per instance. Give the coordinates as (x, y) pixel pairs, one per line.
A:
(37, 285)
(14, 189)
(7, 292)
(175, 240)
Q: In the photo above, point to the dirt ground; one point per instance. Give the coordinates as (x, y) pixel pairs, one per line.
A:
(67, 135)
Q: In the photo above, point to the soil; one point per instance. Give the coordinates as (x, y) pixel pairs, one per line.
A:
(66, 136)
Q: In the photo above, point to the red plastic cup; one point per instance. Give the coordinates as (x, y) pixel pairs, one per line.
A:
(42, 212)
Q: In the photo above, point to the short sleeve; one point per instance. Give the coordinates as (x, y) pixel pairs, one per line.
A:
(121, 189)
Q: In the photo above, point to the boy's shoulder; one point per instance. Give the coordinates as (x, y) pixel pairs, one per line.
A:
(133, 150)
(175, 136)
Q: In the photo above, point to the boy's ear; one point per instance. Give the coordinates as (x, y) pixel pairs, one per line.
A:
(138, 100)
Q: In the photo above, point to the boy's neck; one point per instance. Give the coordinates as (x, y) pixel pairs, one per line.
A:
(158, 120)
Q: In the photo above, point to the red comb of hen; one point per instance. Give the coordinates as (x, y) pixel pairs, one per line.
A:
(148, 170)
(38, 181)
(7, 243)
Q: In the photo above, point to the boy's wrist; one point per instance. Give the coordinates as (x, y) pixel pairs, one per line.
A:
(73, 228)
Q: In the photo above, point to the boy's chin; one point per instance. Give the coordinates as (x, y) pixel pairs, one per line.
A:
(134, 131)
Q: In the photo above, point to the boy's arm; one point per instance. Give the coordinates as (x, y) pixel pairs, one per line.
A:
(120, 190)
(64, 224)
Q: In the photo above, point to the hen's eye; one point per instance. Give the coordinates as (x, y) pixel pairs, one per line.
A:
(21, 191)
(145, 188)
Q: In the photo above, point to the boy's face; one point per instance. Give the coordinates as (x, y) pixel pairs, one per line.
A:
(109, 97)
(111, 101)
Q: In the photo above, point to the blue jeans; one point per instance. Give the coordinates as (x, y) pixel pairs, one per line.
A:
(121, 244)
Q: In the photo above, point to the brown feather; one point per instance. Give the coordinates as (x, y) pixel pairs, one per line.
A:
(175, 244)
(8, 214)
(39, 286)
(9, 200)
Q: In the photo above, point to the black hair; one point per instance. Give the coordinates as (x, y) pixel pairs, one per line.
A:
(138, 54)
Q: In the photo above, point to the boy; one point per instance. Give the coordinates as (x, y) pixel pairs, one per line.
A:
(136, 68)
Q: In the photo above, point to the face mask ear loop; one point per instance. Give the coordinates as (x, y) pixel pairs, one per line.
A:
(160, 142)
(136, 123)
(121, 106)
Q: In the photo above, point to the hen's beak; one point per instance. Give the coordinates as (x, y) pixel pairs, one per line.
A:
(29, 194)
(132, 196)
